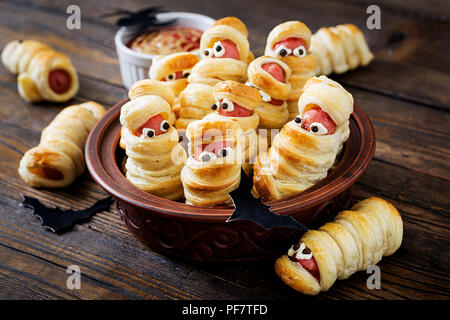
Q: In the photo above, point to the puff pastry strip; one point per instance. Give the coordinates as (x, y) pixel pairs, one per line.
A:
(209, 177)
(356, 239)
(59, 157)
(196, 100)
(154, 155)
(174, 69)
(299, 158)
(340, 49)
(43, 73)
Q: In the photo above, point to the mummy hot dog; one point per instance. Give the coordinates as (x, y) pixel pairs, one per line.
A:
(43, 73)
(174, 69)
(290, 42)
(213, 168)
(59, 157)
(355, 240)
(340, 49)
(225, 53)
(154, 156)
(238, 102)
(271, 77)
(306, 147)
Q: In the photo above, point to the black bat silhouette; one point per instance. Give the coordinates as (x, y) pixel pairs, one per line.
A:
(55, 219)
(247, 207)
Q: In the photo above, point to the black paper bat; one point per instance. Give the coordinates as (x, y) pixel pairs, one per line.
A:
(247, 207)
(140, 20)
(55, 219)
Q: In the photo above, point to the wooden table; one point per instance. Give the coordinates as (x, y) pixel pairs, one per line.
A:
(405, 92)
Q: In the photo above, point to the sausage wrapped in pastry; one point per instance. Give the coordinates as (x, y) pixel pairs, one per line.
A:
(355, 240)
(340, 49)
(271, 77)
(174, 69)
(154, 155)
(238, 102)
(306, 148)
(213, 168)
(43, 73)
(290, 42)
(225, 54)
(59, 157)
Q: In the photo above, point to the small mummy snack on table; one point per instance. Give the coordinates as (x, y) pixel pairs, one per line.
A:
(213, 168)
(225, 54)
(43, 73)
(271, 77)
(59, 158)
(154, 156)
(306, 148)
(174, 69)
(290, 42)
(340, 49)
(355, 240)
(238, 102)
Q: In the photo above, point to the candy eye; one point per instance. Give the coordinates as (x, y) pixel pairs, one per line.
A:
(171, 76)
(298, 120)
(206, 156)
(300, 51)
(186, 73)
(227, 105)
(300, 251)
(218, 49)
(225, 151)
(265, 97)
(208, 52)
(147, 132)
(282, 51)
(164, 126)
(318, 128)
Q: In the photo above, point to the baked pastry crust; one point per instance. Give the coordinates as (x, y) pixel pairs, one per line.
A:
(33, 61)
(340, 49)
(61, 147)
(288, 29)
(153, 164)
(357, 238)
(209, 183)
(298, 158)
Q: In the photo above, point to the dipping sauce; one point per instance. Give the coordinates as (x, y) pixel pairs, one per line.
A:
(167, 41)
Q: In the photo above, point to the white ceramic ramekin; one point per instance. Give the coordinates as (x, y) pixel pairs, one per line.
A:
(134, 65)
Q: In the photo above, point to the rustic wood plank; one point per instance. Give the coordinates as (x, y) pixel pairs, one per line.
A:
(405, 47)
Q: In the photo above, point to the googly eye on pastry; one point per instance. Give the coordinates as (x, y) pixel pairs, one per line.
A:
(206, 156)
(208, 52)
(318, 128)
(282, 51)
(163, 66)
(218, 49)
(227, 105)
(170, 77)
(300, 51)
(148, 133)
(186, 73)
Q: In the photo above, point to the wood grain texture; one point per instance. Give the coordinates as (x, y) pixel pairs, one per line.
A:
(404, 91)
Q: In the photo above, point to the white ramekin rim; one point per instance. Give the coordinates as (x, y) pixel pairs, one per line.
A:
(122, 32)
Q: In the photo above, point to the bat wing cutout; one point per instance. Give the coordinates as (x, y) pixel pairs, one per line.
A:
(56, 220)
(247, 207)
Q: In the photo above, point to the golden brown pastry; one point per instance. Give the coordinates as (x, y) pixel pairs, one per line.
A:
(154, 155)
(225, 54)
(355, 240)
(238, 102)
(213, 168)
(306, 148)
(340, 49)
(43, 73)
(290, 42)
(174, 69)
(271, 77)
(59, 157)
